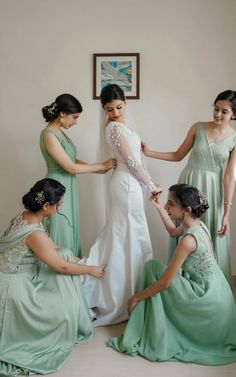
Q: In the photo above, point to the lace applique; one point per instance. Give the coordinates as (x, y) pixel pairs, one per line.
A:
(121, 144)
(132, 163)
(115, 136)
(201, 263)
(19, 258)
(15, 224)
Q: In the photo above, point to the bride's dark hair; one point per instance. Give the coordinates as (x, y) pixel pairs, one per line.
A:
(111, 92)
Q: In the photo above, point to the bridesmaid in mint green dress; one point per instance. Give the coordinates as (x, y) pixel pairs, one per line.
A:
(212, 146)
(43, 312)
(188, 316)
(62, 164)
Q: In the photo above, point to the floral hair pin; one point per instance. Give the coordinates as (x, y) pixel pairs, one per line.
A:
(39, 197)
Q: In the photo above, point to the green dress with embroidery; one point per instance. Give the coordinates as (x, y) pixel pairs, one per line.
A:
(43, 314)
(194, 320)
(204, 170)
(64, 230)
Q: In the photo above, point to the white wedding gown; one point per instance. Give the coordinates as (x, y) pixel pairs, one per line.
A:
(124, 244)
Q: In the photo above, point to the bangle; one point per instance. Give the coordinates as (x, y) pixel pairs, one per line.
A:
(228, 204)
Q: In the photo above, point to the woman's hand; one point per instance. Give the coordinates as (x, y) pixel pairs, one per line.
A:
(145, 148)
(159, 190)
(109, 164)
(97, 271)
(155, 199)
(132, 302)
(224, 227)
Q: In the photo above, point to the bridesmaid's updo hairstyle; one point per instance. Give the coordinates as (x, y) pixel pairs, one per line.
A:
(111, 92)
(46, 190)
(65, 103)
(190, 196)
(230, 96)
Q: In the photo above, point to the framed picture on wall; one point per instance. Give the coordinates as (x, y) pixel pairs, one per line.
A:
(120, 69)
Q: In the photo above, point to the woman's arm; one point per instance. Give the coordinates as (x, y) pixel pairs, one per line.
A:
(186, 246)
(229, 184)
(44, 249)
(179, 154)
(57, 152)
(121, 144)
(172, 229)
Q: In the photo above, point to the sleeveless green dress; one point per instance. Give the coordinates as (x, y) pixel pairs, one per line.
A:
(204, 170)
(194, 320)
(63, 230)
(43, 314)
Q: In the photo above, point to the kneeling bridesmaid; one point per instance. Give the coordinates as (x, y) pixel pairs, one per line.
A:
(42, 308)
(184, 311)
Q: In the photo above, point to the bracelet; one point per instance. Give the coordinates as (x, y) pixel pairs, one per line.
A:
(228, 204)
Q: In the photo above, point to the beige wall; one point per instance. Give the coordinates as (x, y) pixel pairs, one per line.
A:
(187, 50)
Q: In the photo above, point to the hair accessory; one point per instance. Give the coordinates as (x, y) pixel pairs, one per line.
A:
(39, 197)
(202, 198)
(52, 108)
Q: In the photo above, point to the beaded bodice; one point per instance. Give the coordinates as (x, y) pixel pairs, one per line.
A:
(15, 256)
(126, 147)
(201, 263)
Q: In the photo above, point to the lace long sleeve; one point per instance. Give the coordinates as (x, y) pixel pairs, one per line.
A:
(121, 144)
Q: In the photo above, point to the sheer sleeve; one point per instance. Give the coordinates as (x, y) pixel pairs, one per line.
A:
(122, 146)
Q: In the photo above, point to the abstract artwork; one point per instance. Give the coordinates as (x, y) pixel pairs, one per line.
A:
(120, 69)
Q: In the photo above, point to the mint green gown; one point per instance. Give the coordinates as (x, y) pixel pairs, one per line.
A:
(43, 314)
(204, 170)
(64, 230)
(194, 320)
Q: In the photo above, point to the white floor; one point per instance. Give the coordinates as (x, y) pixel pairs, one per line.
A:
(97, 360)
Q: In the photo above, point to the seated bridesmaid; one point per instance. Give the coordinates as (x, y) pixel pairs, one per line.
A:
(42, 308)
(188, 316)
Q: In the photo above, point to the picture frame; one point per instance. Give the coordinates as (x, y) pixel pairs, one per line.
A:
(122, 69)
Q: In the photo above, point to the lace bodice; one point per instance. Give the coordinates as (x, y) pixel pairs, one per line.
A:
(126, 147)
(201, 263)
(15, 256)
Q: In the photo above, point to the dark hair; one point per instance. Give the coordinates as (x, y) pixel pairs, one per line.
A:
(46, 190)
(190, 196)
(66, 103)
(228, 95)
(111, 92)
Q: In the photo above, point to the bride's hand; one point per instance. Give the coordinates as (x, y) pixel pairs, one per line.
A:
(159, 189)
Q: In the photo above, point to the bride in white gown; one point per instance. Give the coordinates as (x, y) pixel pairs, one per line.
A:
(124, 244)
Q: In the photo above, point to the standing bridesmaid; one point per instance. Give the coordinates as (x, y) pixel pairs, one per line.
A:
(212, 145)
(62, 164)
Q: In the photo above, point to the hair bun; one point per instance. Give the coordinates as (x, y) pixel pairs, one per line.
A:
(50, 112)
